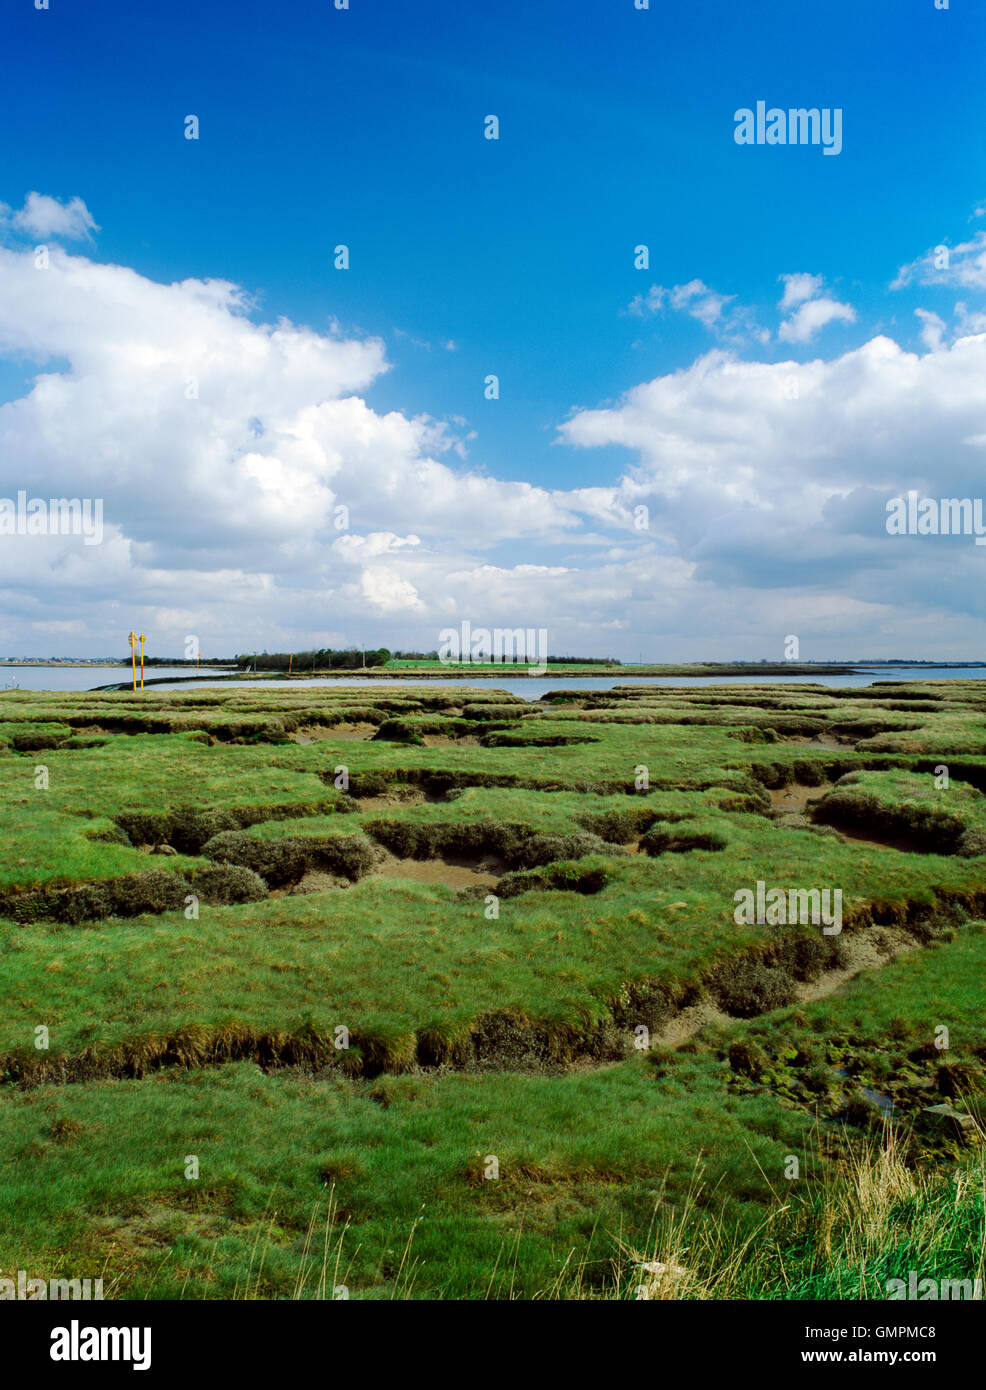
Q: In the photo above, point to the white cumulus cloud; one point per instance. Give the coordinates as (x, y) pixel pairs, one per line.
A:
(42, 216)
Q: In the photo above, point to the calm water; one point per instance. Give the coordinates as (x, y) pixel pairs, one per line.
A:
(531, 688)
(81, 677)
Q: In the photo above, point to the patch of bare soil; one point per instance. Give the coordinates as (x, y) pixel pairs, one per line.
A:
(690, 1021)
(321, 733)
(387, 801)
(864, 950)
(796, 799)
(484, 873)
(907, 844)
(821, 741)
(447, 741)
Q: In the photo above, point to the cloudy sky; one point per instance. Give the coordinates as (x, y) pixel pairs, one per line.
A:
(688, 458)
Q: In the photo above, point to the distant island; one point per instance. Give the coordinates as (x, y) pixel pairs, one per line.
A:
(382, 664)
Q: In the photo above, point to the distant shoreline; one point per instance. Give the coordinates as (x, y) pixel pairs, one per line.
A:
(461, 671)
(493, 673)
(519, 668)
(6, 665)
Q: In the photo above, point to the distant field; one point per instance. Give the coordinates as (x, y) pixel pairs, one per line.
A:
(451, 984)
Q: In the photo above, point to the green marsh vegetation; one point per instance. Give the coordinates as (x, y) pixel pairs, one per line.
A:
(518, 920)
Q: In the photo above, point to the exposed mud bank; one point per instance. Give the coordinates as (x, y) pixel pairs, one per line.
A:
(238, 867)
(321, 733)
(916, 827)
(795, 799)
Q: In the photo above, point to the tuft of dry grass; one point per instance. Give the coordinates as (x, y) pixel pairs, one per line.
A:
(867, 1219)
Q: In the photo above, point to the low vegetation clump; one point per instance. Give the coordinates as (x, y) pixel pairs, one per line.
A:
(286, 860)
(223, 884)
(971, 843)
(399, 731)
(677, 839)
(573, 878)
(618, 827)
(752, 987)
(806, 954)
(516, 845)
(154, 890)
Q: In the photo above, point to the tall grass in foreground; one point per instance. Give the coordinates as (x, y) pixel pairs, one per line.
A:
(868, 1220)
(323, 1270)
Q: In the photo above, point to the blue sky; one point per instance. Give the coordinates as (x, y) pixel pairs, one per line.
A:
(514, 257)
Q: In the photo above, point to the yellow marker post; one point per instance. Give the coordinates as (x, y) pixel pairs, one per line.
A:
(143, 639)
(132, 639)
(290, 662)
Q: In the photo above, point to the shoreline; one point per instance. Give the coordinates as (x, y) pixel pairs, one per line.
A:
(481, 673)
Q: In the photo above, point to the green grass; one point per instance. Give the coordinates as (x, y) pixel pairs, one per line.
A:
(474, 1033)
(581, 1160)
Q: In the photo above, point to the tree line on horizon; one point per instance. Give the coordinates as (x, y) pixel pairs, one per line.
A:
(320, 659)
(350, 658)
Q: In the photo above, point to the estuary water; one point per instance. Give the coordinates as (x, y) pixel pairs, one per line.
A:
(84, 677)
(529, 688)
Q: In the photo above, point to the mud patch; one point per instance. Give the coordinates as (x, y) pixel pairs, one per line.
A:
(869, 949)
(398, 796)
(153, 1230)
(818, 741)
(345, 733)
(447, 741)
(794, 799)
(456, 872)
(906, 844)
(691, 1020)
